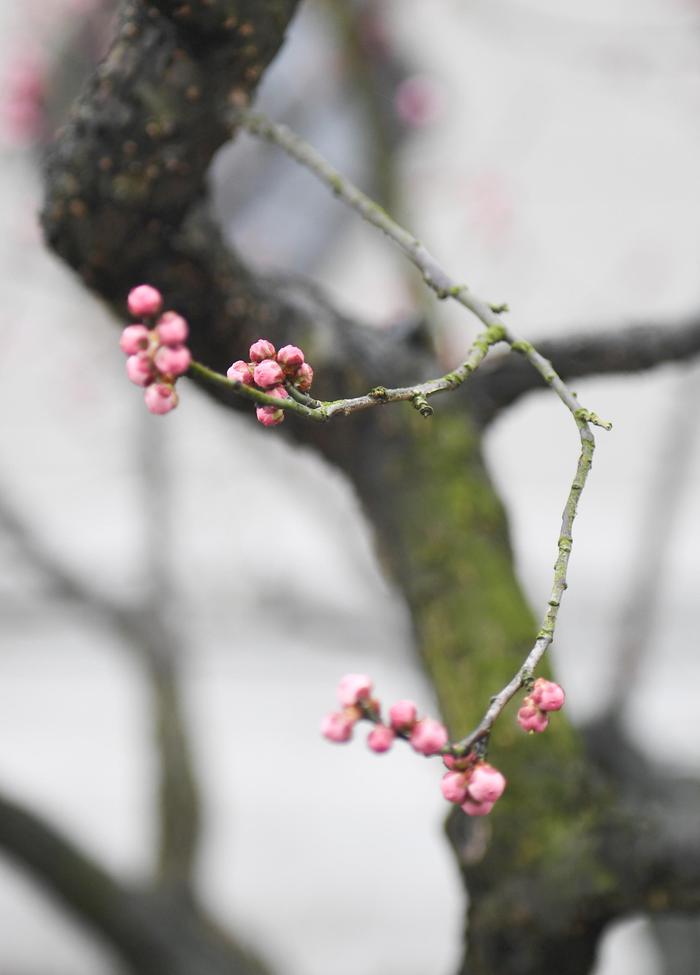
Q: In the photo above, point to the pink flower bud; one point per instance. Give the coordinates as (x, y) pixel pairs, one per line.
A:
(144, 300)
(403, 715)
(270, 416)
(160, 398)
(139, 369)
(380, 738)
(304, 377)
(173, 360)
(531, 718)
(262, 349)
(337, 726)
(290, 357)
(354, 688)
(428, 737)
(268, 373)
(477, 808)
(547, 695)
(454, 787)
(134, 338)
(172, 328)
(486, 784)
(241, 372)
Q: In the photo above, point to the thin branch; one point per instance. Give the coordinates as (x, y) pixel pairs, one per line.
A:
(65, 870)
(421, 391)
(179, 811)
(291, 404)
(559, 584)
(64, 582)
(635, 348)
(321, 411)
(146, 630)
(433, 273)
(150, 930)
(496, 330)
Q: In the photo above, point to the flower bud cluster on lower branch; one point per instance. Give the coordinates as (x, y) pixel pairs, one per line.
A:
(545, 696)
(472, 783)
(270, 370)
(155, 347)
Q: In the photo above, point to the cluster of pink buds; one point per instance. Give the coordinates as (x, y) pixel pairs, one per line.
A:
(156, 348)
(545, 696)
(426, 736)
(470, 782)
(270, 370)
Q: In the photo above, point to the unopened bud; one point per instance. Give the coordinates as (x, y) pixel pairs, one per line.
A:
(173, 360)
(160, 398)
(337, 726)
(547, 695)
(403, 715)
(354, 688)
(428, 737)
(304, 377)
(241, 372)
(139, 369)
(486, 784)
(454, 787)
(530, 718)
(290, 357)
(172, 328)
(134, 338)
(268, 373)
(262, 349)
(380, 738)
(477, 808)
(144, 300)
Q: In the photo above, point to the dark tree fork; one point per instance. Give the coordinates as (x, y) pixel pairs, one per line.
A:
(584, 833)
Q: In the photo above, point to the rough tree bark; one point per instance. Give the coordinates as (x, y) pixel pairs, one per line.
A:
(126, 202)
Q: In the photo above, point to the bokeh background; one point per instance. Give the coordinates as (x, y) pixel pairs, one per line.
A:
(548, 152)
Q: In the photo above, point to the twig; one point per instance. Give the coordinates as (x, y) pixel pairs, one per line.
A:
(559, 584)
(433, 273)
(149, 929)
(496, 330)
(79, 881)
(617, 349)
(145, 629)
(179, 806)
(321, 411)
(291, 404)
(64, 582)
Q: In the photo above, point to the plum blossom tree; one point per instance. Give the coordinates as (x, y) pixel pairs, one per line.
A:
(125, 208)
